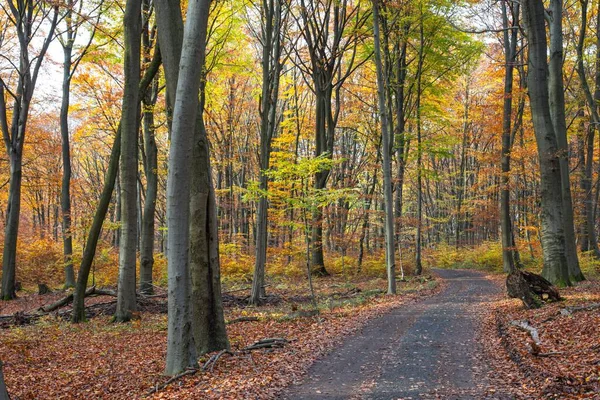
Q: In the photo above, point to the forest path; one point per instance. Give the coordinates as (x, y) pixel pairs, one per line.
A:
(426, 350)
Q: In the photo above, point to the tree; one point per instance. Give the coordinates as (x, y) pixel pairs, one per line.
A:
(557, 113)
(331, 31)
(150, 162)
(510, 57)
(271, 37)
(73, 18)
(181, 350)
(590, 239)
(208, 321)
(552, 226)
(126, 299)
(89, 252)
(382, 89)
(26, 17)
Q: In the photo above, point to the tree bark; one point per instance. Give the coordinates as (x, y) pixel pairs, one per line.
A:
(557, 113)
(510, 54)
(150, 170)
(26, 18)
(126, 297)
(552, 228)
(382, 89)
(208, 321)
(271, 17)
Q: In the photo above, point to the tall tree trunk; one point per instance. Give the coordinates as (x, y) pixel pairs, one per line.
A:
(557, 113)
(150, 169)
(510, 53)
(382, 89)
(26, 19)
(181, 349)
(421, 58)
(552, 228)
(593, 102)
(78, 314)
(126, 298)
(208, 321)
(65, 196)
(271, 17)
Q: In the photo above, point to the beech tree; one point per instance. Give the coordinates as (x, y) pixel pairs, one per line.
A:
(207, 321)
(552, 227)
(74, 18)
(26, 18)
(331, 31)
(181, 349)
(271, 38)
(126, 297)
(382, 89)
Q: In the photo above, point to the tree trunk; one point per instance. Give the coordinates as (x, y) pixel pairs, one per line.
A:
(65, 196)
(181, 349)
(552, 227)
(382, 85)
(78, 314)
(150, 170)
(126, 298)
(3, 392)
(271, 18)
(557, 113)
(510, 53)
(207, 322)
(418, 244)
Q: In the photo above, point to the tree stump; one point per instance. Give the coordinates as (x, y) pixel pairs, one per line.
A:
(534, 290)
(43, 289)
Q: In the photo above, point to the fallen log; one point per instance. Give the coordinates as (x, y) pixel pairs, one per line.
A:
(533, 290)
(568, 311)
(242, 319)
(527, 327)
(69, 299)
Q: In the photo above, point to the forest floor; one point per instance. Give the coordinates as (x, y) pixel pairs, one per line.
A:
(53, 359)
(448, 338)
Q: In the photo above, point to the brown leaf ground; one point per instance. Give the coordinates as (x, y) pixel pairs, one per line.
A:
(572, 373)
(56, 360)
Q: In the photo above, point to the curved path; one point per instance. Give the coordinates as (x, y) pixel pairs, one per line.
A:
(425, 350)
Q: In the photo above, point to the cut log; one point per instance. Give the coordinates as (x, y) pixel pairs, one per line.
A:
(531, 288)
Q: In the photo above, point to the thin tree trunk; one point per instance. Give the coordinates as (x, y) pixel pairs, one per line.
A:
(78, 314)
(510, 52)
(126, 297)
(271, 71)
(150, 170)
(390, 248)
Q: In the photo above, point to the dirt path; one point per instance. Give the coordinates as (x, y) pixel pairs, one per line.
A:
(421, 351)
